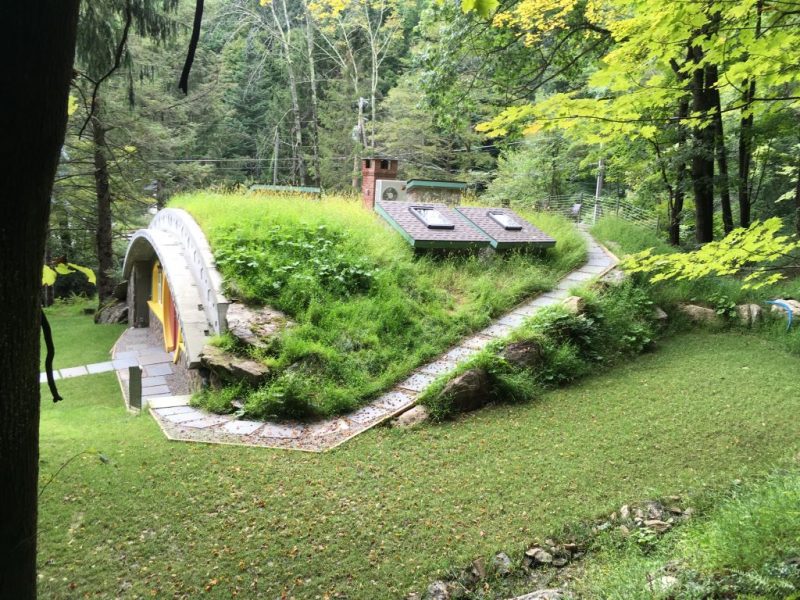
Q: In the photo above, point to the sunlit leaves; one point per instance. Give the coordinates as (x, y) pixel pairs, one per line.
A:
(752, 253)
(49, 274)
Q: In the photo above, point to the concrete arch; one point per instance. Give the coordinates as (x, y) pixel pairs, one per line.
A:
(177, 242)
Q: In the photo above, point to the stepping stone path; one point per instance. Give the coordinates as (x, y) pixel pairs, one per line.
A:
(179, 421)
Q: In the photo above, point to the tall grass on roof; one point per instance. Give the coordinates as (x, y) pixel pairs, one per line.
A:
(368, 310)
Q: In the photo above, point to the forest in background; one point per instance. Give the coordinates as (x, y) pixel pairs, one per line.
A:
(692, 106)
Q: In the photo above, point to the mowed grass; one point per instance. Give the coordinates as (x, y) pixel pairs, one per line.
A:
(390, 510)
(72, 329)
(367, 309)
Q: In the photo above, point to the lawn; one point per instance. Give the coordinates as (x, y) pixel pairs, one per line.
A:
(71, 330)
(367, 309)
(389, 510)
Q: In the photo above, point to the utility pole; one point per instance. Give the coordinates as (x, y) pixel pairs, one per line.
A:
(601, 171)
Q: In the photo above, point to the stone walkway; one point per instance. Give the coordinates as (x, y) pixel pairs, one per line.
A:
(179, 421)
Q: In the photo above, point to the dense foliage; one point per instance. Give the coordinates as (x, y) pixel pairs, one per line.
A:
(367, 309)
(617, 322)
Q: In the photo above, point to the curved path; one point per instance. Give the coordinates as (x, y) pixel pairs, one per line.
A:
(179, 421)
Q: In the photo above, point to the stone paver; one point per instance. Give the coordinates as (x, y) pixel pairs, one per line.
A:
(181, 422)
(155, 390)
(417, 382)
(242, 427)
(103, 367)
(153, 358)
(158, 369)
(73, 372)
(151, 381)
(124, 363)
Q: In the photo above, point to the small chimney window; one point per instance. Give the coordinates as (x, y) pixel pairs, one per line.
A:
(505, 221)
(431, 217)
(368, 163)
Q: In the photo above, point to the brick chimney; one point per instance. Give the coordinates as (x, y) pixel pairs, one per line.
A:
(373, 169)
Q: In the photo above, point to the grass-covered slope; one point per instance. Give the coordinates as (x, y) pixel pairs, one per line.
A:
(368, 310)
(71, 328)
(393, 509)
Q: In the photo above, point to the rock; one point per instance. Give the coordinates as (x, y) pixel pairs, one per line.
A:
(468, 391)
(603, 526)
(414, 596)
(438, 591)
(502, 564)
(699, 314)
(624, 512)
(536, 556)
(659, 315)
(255, 326)
(655, 510)
(121, 290)
(526, 354)
(546, 594)
(413, 416)
(664, 583)
(229, 368)
(794, 305)
(657, 525)
(749, 314)
(112, 312)
(560, 561)
(574, 304)
(479, 568)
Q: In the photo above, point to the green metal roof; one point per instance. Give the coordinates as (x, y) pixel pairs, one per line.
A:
(430, 183)
(298, 189)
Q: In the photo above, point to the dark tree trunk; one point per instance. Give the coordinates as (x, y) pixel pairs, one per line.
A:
(745, 158)
(702, 169)
(720, 150)
(38, 46)
(746, 138)
(103, 237)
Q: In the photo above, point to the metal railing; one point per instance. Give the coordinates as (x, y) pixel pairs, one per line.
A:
(587, 209)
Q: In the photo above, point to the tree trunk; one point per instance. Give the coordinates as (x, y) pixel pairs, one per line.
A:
(702, 166)
(746, 138)
(38, 47)
(312, 72)
(102, 237)
(297, 144)
(720, 150)
(676, 210)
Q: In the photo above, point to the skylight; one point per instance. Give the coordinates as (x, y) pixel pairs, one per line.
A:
(505, 221)
(431, 217)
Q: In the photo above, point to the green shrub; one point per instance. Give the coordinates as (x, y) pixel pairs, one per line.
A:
(617, 322)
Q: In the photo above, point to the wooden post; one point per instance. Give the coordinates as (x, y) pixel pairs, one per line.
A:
(135, 388)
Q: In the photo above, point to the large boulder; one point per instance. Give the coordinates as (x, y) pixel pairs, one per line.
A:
(255, 326)
(699, 314)
(794, 305)
(469, 391)
(749, 314)
(574, 304)
(112, 312)
(413, 416)
(525, 354)
(229, 368)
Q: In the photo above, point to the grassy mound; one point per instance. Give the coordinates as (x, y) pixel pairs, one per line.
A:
(368, 310)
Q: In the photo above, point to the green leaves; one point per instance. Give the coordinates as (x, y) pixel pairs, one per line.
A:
(49, 274)
(751, 253)
(484, 8)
